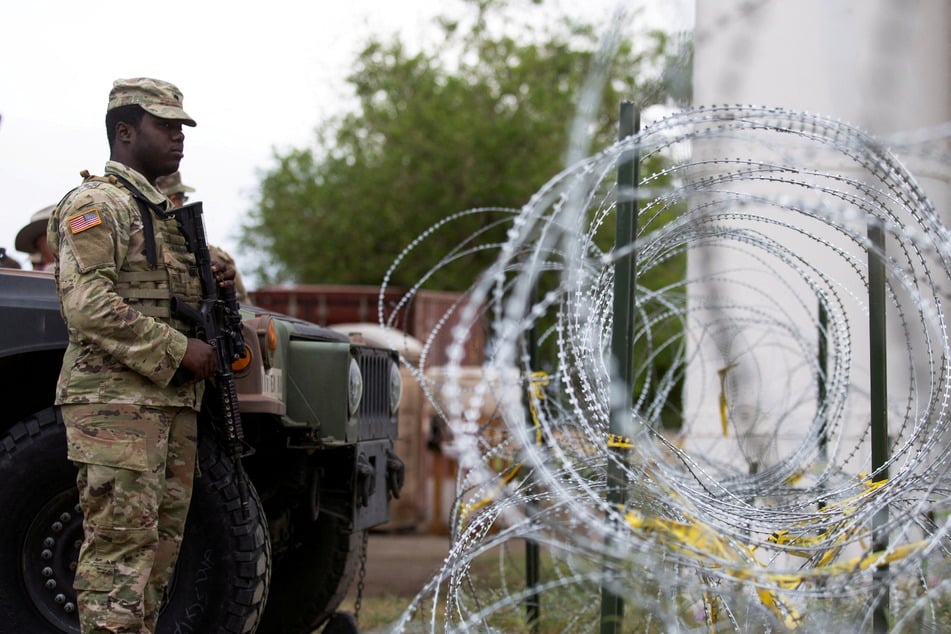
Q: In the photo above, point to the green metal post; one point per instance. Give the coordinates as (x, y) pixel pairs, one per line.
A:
(878, 387)
(533, 606)
(612, 606)
(823, 379)
(532, 574)
(821, 393)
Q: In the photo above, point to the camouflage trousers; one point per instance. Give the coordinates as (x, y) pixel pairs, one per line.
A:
(136, 472)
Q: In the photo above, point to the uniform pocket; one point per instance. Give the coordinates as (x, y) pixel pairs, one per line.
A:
(104, 444)
(95, 577)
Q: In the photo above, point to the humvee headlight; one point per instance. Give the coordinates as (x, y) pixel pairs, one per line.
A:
(356, 387)
(396, 388)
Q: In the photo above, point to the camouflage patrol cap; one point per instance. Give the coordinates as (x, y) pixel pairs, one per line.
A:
(172, 184)
(158, 98)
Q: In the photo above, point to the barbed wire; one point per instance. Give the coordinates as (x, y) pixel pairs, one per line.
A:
(751, 502)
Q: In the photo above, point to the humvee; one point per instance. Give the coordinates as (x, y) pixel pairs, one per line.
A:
(320, 413)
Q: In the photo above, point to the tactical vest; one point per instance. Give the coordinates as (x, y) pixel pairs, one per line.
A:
(173, 273)
(176, 275)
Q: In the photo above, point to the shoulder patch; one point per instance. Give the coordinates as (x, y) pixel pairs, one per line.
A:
(84, 220)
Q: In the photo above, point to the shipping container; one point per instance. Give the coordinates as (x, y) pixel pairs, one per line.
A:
(430, 314)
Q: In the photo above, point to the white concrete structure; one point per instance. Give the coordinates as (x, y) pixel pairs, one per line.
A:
(881, 65)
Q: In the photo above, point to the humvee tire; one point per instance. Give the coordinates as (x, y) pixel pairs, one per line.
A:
(311, 580)
(220, 582)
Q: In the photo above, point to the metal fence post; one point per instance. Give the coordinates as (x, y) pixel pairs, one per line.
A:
(878, 397)
(612, 606)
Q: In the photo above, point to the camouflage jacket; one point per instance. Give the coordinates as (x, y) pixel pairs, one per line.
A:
(122, 349)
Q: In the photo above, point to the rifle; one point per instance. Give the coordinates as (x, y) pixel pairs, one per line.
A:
(217, 321)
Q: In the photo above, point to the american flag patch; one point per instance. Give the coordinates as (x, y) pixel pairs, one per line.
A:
(83, 221)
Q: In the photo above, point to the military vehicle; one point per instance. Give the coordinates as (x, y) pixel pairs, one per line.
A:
(320, 413)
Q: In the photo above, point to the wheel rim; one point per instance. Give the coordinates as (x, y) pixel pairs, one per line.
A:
(50, 551)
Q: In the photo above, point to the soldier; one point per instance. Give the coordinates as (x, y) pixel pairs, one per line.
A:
(173, 187)
(32, 239)
(130, 420)
(177, 192)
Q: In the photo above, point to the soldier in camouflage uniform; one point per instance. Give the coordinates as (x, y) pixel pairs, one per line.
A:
(177, 192)
(173, 187)
(131, 428)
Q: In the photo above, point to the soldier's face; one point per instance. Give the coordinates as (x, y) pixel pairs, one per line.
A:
(159, 145)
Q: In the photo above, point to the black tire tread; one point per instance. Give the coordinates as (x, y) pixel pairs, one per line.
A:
(27, 430)
(250, 535)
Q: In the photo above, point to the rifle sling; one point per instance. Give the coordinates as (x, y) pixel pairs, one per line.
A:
(144, 206)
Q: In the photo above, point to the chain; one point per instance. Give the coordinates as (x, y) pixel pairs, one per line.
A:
(362, 578)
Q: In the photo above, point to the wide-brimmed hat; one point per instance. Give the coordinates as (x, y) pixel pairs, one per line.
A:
(158, 98)
(26, 238)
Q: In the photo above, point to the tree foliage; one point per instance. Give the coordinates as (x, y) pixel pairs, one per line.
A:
(481, 119)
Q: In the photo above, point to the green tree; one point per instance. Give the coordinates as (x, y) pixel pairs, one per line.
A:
(480, 120)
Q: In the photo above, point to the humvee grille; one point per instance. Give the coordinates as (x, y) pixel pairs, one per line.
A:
(375, 419)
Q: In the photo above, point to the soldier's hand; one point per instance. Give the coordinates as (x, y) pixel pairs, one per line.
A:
(199, 360)
(224, 273)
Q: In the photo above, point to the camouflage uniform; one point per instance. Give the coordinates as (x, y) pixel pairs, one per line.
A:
(130, 431)
(171, 185)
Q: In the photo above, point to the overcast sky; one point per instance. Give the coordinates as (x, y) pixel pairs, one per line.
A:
(257, 76)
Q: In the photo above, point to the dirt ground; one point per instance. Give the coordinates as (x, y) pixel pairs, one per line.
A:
(400, 564)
